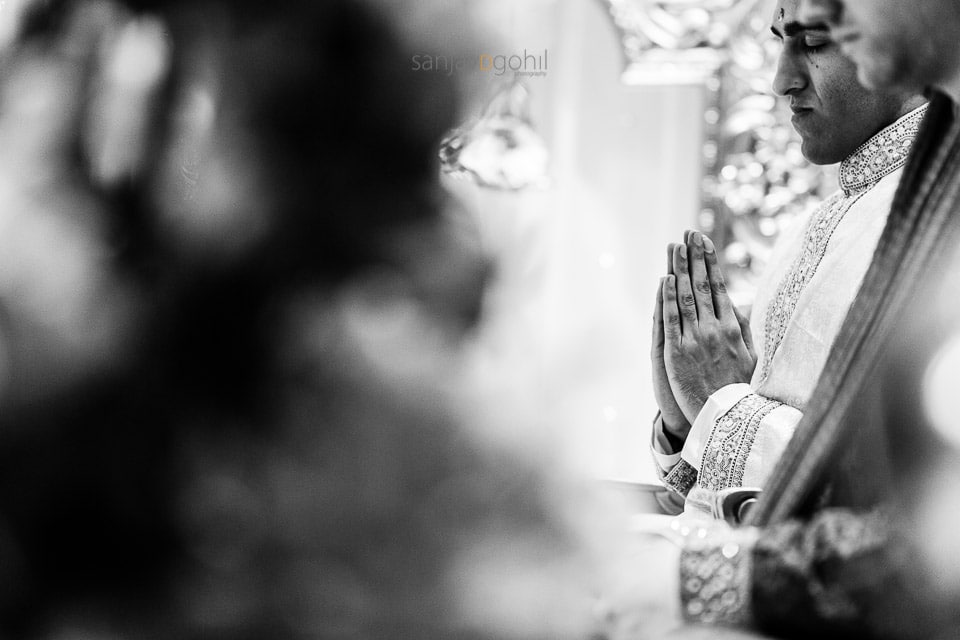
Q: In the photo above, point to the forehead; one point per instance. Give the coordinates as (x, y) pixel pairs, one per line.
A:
(785, 11)
(786, 22)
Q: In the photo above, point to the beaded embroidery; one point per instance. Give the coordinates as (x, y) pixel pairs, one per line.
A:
(816, 238)
(681, 478)
(882, 154)
(715, 577)
(730, 442)
(879, 156)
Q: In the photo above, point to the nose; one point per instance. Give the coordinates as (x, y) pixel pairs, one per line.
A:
(820, 11)
(791, 74)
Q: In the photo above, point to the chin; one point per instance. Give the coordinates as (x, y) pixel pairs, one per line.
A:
(816, 156)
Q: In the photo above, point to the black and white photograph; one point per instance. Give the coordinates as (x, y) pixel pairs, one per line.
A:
(479, 319)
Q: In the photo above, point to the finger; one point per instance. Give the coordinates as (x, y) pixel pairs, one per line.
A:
(702, 292)
(718, 285)
(43, 101)
(658, 338)
(119, 122)
(744, 330)
(670, 249)
(671, 315)
(687, 236)
(684, 291)
(18, 17)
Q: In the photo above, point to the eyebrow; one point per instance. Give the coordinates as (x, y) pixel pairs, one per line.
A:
(794, 28)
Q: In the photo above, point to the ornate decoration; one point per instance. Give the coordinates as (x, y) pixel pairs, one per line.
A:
(879, 156)
(725, 455)
(681, 478)
(671, 41)
(501, 149)
(816, 238)
(755, 179)
(715, 575)
(882, 154)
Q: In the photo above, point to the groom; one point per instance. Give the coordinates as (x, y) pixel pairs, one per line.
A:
(827, 562)
(727, 413)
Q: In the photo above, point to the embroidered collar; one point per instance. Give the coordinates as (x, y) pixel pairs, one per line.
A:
(881, 155)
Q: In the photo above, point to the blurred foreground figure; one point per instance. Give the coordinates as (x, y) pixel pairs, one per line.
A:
(231, 308)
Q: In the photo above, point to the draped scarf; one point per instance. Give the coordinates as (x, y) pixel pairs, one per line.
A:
(923, 226)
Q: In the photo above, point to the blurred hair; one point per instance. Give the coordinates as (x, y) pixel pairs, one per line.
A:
(243, 468)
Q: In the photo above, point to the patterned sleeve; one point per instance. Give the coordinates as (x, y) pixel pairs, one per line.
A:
(737, 440)
(845, 573)
(837, 575)
(716, 565)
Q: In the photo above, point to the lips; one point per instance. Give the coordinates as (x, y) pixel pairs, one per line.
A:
(800, 108)
(799, 115)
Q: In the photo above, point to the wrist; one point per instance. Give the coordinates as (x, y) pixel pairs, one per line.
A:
(675, 431)
(693, 404)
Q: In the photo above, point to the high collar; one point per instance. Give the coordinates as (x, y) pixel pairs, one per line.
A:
(881, 155)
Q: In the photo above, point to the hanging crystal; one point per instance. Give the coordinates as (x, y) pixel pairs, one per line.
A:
(501, 149)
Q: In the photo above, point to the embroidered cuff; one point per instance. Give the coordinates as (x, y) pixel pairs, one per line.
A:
(716, 405)
(681, 478)
(715, 576)
(730, 442)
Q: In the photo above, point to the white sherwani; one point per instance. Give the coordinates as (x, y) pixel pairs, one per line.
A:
(801, 302)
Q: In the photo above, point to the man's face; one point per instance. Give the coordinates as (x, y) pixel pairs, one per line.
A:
(902, 44)
(833, 113)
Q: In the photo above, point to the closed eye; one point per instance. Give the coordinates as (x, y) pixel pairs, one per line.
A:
(814, 43)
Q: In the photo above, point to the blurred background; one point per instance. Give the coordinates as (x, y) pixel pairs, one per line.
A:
(597, 133)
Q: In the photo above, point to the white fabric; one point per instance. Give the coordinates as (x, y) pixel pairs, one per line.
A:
(798, 326)
(820, 311)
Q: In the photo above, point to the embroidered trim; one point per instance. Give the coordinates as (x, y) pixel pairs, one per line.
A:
(715, 581)
(882, 154)
(816, 237)
(879, 156)
(681, 478)
(730, 442)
